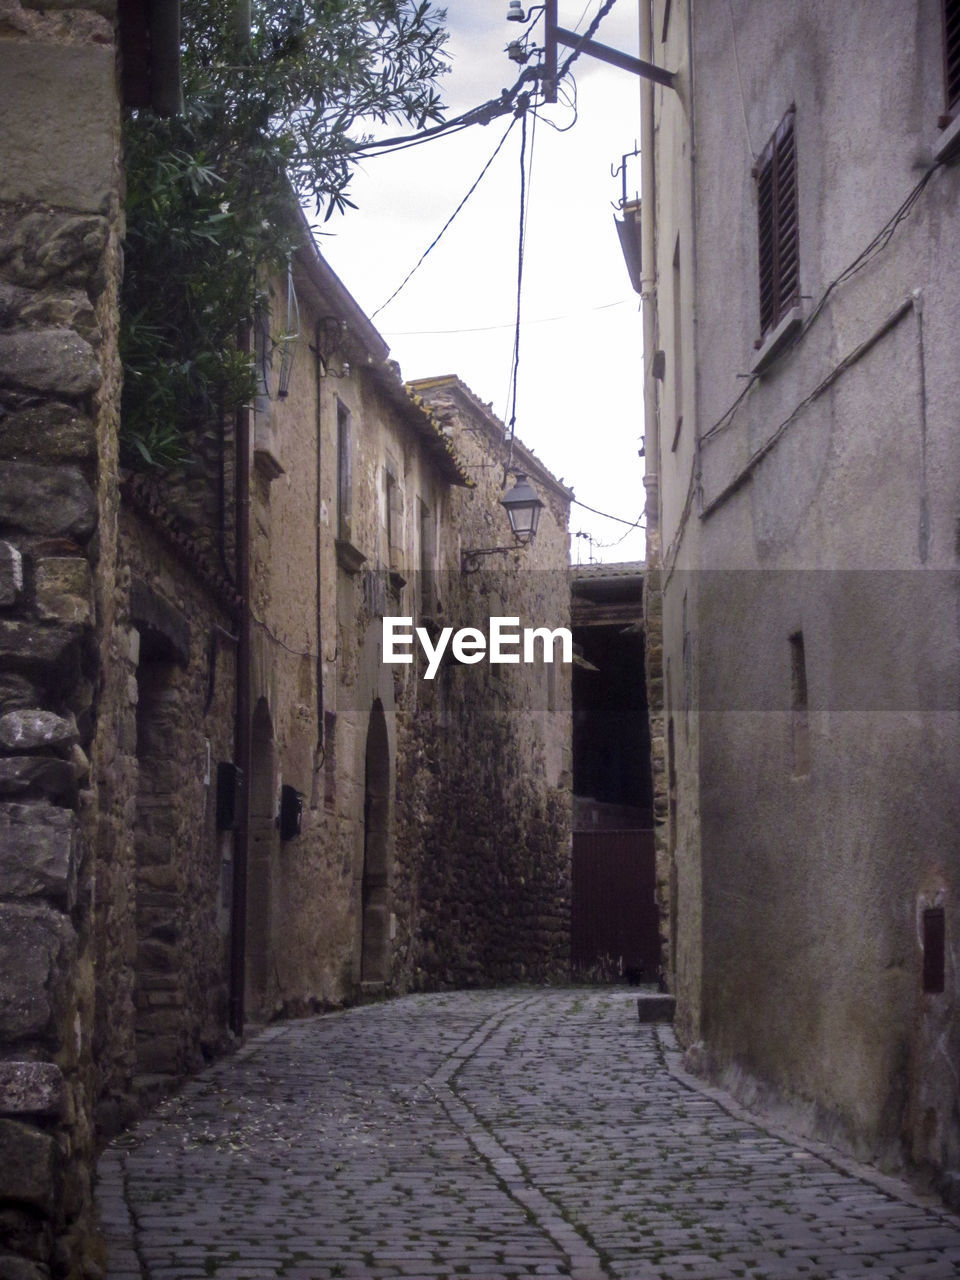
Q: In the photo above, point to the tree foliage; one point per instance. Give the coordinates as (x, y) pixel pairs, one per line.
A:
(271, 114)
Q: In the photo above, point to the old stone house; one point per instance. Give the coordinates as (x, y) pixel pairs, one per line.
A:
(217, 802)
(802, 503)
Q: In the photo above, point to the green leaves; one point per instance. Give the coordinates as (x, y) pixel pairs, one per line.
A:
(268, 119)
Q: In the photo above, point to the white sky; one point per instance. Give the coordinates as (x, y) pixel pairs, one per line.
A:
(579, 402)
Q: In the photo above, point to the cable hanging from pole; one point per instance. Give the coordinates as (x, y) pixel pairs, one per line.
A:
(512, 424)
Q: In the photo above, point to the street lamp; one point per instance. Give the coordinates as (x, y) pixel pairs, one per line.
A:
(523, 509)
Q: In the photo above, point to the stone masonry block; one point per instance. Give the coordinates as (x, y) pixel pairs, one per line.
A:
(38, 853)
(25, 646)
(29, 1166)
(66, 95)
(51, 432)
(37, 955)
(52, 361)
(32, 728)
(16, 1268)
(46, 500)
(56, 779)
(11, 573)
(64, 589)
(31, 1088)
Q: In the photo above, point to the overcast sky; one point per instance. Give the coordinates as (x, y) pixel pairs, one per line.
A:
(579, 404)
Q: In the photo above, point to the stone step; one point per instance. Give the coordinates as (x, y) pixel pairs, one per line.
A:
(656, 1006)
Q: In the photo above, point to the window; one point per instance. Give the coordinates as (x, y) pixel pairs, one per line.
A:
(393, 512)
(934, 949)
(779, 242)
(344, 475)
(329, 760)
(800, 725)
(428, 547)
(951, 55)
(677, 349)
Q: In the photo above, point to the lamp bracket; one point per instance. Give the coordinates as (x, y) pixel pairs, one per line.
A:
(614, 57)
(469, 559)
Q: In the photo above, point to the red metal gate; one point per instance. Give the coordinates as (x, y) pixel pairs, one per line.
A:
(615, 925)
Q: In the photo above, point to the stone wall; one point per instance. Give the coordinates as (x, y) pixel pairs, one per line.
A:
(163, 867)
(484, 751)
(59, 380)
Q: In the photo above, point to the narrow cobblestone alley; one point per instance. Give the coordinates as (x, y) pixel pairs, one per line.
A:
(512, 1133)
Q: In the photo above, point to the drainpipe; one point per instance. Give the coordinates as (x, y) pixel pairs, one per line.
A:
(319, 550)
(242, 745)
(648, 280)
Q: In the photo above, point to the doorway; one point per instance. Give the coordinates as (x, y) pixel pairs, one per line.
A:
(375, 883)
(261, 857)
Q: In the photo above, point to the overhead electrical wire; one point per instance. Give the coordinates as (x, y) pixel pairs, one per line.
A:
(491, 328)
(437, 238)
(512, 424)
(634, 524)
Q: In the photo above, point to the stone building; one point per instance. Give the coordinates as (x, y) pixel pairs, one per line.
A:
(60, 225)
(802, 461)
(485, 766)
(217, 802)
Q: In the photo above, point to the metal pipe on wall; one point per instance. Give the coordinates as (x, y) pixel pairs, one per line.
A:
(648, 288)
(242, 724)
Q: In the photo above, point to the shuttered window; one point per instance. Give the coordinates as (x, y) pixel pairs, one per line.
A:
(951, 53)
(779, 257)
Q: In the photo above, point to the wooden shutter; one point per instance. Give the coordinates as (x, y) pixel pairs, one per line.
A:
(951, 53)
(778, 230)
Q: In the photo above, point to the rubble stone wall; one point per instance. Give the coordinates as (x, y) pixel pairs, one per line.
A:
(484, 755)
(59, 394)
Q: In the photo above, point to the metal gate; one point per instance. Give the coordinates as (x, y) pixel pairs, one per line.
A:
(615, 925)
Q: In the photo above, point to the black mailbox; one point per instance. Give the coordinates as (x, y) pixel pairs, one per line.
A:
(291, 812)
(229, 783)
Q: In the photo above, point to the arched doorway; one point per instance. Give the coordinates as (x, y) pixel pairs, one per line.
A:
(261, 855)
(375, 885)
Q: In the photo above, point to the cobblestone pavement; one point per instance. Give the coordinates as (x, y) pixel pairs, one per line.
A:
(514, 1133)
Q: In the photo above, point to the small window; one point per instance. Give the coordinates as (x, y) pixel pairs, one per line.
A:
(393, 512)
(778, 232)
(934, 949)
(951, 54)
(677, 348)
(329, 760)
(800, 726)
(428, 548)
(344, 475)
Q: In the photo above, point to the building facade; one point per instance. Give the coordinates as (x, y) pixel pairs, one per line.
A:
(805, 504)
(218, 803)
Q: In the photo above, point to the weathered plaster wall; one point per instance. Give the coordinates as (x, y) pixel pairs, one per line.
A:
(673, 547)
(827, 829)
(59, 380)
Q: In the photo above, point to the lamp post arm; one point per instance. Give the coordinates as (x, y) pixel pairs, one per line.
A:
(468, 558)
(625, 61)
(554, 35)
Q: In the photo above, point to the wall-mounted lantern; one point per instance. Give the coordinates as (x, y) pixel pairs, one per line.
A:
(523, 509)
